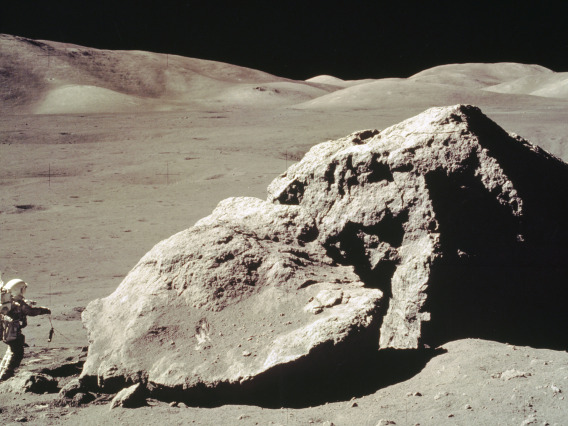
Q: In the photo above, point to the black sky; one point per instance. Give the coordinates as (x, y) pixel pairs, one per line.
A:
(300, 39)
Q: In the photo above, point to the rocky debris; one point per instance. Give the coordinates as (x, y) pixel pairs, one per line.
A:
(131, 397)
(26, 381)
(440, 227)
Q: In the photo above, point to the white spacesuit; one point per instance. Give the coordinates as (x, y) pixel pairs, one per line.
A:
(13, 317)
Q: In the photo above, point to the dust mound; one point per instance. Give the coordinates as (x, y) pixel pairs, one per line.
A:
(440, 227)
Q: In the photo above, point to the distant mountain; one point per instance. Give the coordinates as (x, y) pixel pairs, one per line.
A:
(52, 77)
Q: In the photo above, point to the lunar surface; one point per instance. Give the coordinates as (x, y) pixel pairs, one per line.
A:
(107, 153)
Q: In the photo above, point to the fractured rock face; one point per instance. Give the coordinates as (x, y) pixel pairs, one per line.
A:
(445, 203)
(443, 226)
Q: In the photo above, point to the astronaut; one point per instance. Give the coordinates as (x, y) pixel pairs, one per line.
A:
(13, 317)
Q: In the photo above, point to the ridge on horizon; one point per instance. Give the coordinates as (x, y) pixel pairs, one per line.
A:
(54, 77)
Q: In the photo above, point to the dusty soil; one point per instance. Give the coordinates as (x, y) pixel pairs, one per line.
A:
(83, 196)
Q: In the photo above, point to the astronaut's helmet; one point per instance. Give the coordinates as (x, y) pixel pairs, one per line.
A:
(17, 288)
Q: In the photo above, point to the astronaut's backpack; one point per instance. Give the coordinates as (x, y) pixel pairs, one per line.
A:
(9, 329)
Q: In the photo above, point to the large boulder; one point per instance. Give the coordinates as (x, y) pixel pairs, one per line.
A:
(246, 289)
(440, 227)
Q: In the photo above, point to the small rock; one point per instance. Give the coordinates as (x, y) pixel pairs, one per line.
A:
(39, 407)
(81, 398)
(27, 381)
(182, 405)
(555, 389)
(243, 416)
(131, 397)
(441, 395)
(450, 415)
(354, 404)
(246, 353)
(328, 423)
(468, 407)
(70, 389)
(510, 374)
(385, 422)
(173, 404)
(21, 419)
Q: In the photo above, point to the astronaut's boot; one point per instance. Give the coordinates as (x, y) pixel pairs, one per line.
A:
(13, 358)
